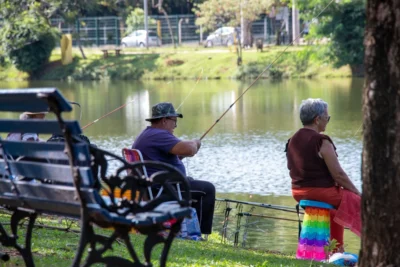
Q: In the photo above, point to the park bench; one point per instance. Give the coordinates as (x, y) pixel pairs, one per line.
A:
(106, 51)
(65, 178)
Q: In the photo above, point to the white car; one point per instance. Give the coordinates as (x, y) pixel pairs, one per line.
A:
(222, 36)
(138, 38)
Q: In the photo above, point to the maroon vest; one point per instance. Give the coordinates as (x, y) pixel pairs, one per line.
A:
(307, 168)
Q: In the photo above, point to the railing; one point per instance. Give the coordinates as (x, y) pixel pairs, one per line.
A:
(100, 31)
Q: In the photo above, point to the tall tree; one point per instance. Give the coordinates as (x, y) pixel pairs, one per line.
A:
(380, 243)
(161, 9)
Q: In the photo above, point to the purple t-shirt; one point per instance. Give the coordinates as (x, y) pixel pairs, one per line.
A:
(155, 144)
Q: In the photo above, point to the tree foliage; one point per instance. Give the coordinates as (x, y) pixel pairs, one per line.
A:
(28, 39)
(216, 13)
(341, 21)
(135, 20)
(346, 29)
(11, 9)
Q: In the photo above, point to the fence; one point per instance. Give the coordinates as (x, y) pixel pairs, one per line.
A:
(100, 31)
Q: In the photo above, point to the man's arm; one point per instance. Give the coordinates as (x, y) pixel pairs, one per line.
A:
(338, 174)
(186, 148)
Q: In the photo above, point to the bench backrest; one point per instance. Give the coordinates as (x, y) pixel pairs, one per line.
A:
(38, 175)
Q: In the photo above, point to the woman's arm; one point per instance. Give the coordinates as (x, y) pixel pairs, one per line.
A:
(328, 154)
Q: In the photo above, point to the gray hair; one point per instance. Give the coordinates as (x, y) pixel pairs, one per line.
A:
(311, 108)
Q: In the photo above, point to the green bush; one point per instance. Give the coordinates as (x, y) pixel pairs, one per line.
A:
(28, 41)
(3, 61)
(302, 59)
(253, 69)
(347, 27)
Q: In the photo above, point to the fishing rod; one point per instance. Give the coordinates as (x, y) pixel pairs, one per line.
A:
(109, 113)
(259, 76)
(80, 109)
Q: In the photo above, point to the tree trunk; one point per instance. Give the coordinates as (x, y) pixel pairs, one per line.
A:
(77, 34)
(169, 25)
(380, 242)
(357, 70)
(247, 36)
(78, 42)
(162, 10)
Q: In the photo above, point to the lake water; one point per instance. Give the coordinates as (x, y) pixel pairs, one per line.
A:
(243, 154)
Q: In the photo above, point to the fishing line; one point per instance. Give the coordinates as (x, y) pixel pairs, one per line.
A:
(359, 128)
(267, 68)
(109, 113)
(198, 79)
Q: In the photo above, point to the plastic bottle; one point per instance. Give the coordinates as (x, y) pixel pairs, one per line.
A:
(193, 226)
(183, 232)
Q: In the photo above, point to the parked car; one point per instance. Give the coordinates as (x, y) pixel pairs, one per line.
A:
(138, 38)
(222, 36)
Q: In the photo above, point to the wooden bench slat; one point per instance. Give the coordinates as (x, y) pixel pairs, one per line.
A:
(38, 126)
(35, 178)
(48, 198)
(43, 150)
(53, 172)
(20, 100)
(57, 199)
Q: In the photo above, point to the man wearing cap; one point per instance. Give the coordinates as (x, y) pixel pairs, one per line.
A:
(27, 136)
(158, 143)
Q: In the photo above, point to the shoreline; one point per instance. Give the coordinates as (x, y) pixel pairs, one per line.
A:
(188, 63)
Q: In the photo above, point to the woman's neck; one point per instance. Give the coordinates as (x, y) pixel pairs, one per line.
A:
(312, 127)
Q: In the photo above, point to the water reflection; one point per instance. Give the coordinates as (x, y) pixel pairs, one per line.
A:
(243, 153)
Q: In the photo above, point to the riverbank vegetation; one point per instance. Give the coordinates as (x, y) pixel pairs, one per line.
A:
(192, 62)
(27, 41)
(57, 248)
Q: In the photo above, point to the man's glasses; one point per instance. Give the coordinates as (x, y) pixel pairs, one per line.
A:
(175, 120)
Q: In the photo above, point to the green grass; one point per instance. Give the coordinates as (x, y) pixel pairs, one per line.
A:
(57, 248)
(189, 62)
(10, 73)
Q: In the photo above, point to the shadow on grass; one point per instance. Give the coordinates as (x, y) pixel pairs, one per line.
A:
(190, 253)
(57, 248)
(123, 67)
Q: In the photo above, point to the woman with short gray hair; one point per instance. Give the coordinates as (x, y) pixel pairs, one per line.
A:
(310, 109)
(316, 172)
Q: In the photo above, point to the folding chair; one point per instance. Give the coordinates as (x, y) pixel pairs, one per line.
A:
(133, 155)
